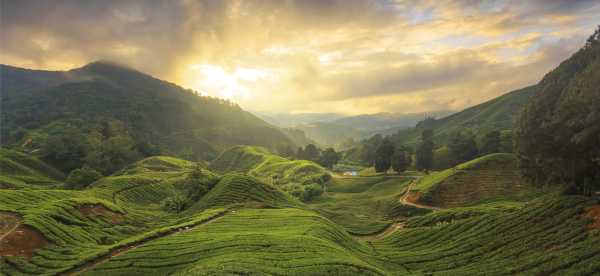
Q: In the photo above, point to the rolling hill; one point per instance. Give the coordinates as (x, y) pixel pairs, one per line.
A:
(487, 178)
(300, 178)
(245, 226)
(158, 114)
(497, 114)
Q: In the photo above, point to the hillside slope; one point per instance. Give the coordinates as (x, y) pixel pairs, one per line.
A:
(20, 170)
(489, 177)
(300, 178)
(174, 120)
(116, 227)
(497, 114)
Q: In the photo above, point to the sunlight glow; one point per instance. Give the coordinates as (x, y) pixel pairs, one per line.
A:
(215, 80)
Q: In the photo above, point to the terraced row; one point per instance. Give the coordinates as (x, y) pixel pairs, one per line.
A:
(548, 236)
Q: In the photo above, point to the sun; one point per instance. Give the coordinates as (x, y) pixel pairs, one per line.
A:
(214, 80)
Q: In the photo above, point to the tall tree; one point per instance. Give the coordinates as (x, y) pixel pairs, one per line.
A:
(490, 143)
(369, 147)
(311, 152)
(329, 158)
(400, 161)
(462, 146)
(383, 156)
(424, 154)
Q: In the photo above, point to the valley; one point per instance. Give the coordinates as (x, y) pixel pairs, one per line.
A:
(294, 137)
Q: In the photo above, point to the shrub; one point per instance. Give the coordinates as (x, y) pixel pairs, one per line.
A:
(81, 178)
(175, 204)
(311, 191)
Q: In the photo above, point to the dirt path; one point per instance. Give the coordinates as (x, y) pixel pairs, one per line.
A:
(392, 228)
(8, 223)
(88, 266)
(404, 199)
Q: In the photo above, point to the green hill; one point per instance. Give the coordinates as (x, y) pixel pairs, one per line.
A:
(491, 177)
(238, 188)
(161, 117)
(245, 226)
(497, 114)
(20, 170)
(300, 178)
(556, 138)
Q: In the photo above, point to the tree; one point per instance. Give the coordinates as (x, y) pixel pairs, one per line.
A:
(285, 151)
(369, 147)
(424, 154)
(311, 152)
(329, 158)
(462, 146)
(400, 161)
(490, 143)
(300, 153)
(383, 156)
(556, 136)
(81, 178)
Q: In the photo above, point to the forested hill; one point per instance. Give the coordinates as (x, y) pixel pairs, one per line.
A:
(159, 117)
(497, 114)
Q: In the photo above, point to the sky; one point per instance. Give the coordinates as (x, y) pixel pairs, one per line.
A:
(307, 56)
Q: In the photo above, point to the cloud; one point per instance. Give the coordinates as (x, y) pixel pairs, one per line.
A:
(352, 56)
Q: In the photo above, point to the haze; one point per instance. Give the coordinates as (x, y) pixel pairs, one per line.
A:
(309, 56)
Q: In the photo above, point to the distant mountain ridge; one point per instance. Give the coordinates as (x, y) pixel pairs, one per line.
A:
(497, 114)
(175, 120)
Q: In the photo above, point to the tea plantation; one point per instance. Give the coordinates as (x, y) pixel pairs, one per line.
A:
(242, 224)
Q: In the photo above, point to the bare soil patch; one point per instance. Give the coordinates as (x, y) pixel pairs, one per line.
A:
(21, 241)
(8, 222)
(98, 210)
(593, 213)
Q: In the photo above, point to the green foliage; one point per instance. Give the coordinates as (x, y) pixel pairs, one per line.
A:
(557, 134)
(490, 143)
(442, 159)
(424, 154)
(462, 146)
(81, 178)
(291, 175)
(329, 158)
(363, 205)
(22, 170)
(400, 161)
(383, 156)
(161, 118)
(497, 114)
(175, 204)
(311, 152)
(369, 148)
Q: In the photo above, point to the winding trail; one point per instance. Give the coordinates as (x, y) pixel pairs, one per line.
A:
(404, 199)
(390, 229)
(90, 265)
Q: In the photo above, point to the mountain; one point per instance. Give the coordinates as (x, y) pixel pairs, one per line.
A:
(385, 121)
(287, 120)
(331, 134)
(497, 114)
(557, 138)
(158, 114)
